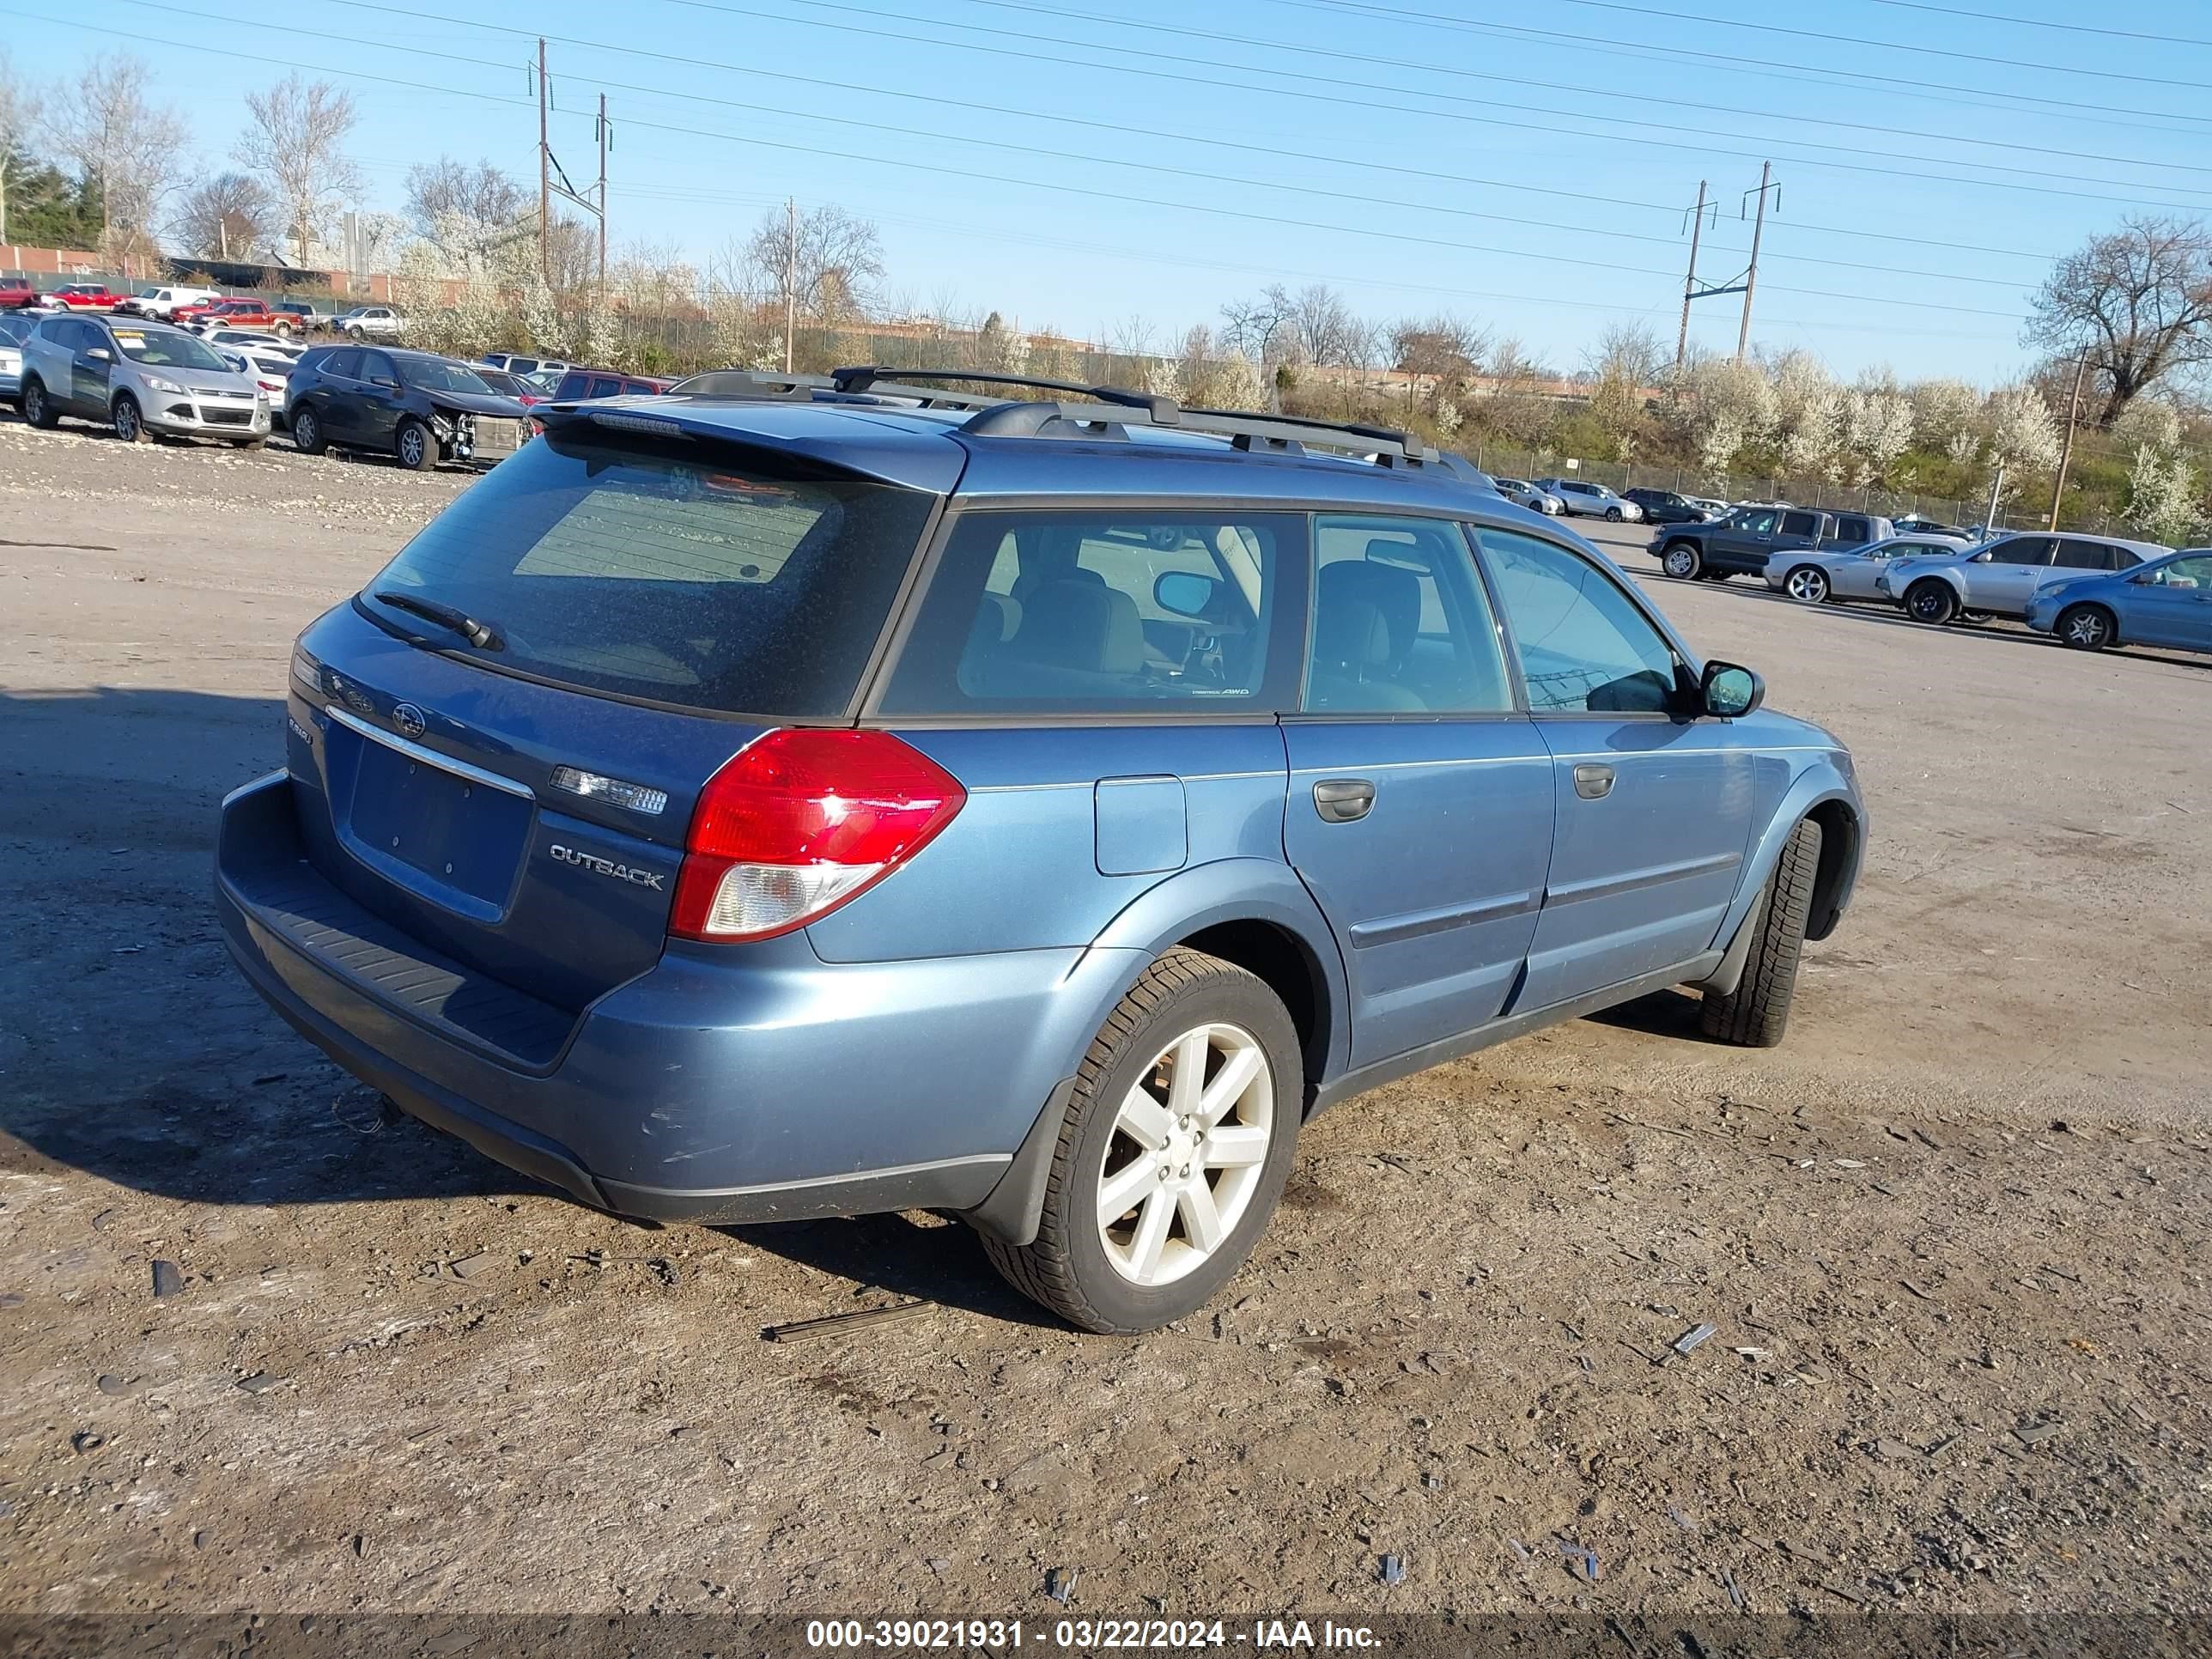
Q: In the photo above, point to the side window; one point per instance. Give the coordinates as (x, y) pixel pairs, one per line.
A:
(2083, 556)
(1585, 645)
(1758, 521)
(2193, 573)
(376, 368)
(1800, 524)
(1401, 625)
(604, 386)
(1851, 531)
(2022, 549)
(343, 364)
(1145, 612)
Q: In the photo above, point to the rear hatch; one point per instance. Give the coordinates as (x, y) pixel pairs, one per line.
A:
(501, 740)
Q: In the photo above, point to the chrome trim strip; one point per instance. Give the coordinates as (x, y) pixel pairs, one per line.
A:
(1612, 886)
(415, 751)
(885, 1173)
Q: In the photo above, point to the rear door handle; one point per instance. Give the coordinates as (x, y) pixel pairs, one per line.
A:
(1343, 801)
(1593, 782)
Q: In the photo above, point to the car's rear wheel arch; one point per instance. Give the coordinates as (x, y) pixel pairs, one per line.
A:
(1286, 965)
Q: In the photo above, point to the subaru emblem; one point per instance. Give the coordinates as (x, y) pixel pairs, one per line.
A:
(410, 721)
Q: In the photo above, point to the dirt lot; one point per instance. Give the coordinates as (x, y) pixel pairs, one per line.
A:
(1954, 1234)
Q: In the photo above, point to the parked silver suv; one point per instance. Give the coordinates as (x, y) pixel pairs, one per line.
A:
(142, 379)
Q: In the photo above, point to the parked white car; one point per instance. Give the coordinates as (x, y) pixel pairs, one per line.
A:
(1581, 499)
(161, 303)
(369, 322)
(269, 370)
(140, 378)
(1521, 492)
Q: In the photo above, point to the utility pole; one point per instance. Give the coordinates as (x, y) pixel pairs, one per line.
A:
(545, 179)
(1751, 276)
(603, 198)
(1997, 489)
(2066, 454)
(790, 277)
(1690, 282)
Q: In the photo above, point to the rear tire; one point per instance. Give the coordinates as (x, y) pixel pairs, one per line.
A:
(2086, 627)
(1755, 1014)
(1681, 561)
(1127, 1134)
(38, 408)
(1931, 601)
(307, 437)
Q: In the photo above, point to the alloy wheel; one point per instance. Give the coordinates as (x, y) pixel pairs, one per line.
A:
(1808, 584)
(2088, 629)
(1680, 562)
(126, 420)
(1184, 1161)
(410, 447)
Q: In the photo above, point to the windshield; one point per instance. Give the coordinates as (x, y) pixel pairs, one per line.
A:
(434, 376)
(737, 586)
(165, 348)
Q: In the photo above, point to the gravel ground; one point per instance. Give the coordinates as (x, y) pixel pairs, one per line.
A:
(1953, 1234)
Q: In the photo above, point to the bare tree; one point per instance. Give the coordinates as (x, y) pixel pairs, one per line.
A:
(224, 217)
(104, 124)
(1627, 358)
(1329, 334)
(296, 141)
(482, 194)
(1260, 328)
(1443, 348)
(19, 113)
(824, 263)
(2138, 300)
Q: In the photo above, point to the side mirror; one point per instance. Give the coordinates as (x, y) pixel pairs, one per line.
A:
(99, 355)
(1979, 558)
(1185, 593)
(1729, 692)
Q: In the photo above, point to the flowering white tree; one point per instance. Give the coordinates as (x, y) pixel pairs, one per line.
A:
(1723, 407)
(2162, 495)
(1941, 409)
(1877, 430)
(2023, 438)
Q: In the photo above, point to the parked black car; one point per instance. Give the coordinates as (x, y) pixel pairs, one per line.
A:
(415, 406)
(1665, 507)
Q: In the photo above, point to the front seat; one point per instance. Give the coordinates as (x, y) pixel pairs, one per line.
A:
(1367, 614)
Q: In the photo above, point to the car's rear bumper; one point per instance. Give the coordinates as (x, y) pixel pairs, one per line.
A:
(725, 1084)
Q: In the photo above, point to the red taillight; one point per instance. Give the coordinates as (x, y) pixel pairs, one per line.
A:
(799, 821)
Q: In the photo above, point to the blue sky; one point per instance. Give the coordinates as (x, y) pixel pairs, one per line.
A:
(1438, 154)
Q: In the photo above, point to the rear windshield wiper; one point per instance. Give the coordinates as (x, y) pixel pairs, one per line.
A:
(475, 633)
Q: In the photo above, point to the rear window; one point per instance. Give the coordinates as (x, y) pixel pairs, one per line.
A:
(731, 586)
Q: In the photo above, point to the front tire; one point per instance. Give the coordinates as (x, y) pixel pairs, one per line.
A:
(129, 421)
(2087, 628)
(1175, 1147)
(307, 437)
(1755, 1014)
(38, 408)
(414, 446)
(1931, 601)
(1681, 561)
(1808, 584)
(1613, 516)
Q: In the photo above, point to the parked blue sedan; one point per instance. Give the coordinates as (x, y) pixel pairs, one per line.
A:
(2167, 602)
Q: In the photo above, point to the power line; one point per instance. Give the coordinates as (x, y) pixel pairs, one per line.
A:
(1090, 191)
(1520, 125)
(969, 107)
(1884, 46)
(1641, 51)
(1060, 153)
(2045, 23)
(1673, 102)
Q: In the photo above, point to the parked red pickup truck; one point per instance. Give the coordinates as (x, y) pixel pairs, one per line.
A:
(85, 296)
(238, 313)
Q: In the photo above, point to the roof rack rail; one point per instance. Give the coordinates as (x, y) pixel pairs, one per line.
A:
(1276, 432)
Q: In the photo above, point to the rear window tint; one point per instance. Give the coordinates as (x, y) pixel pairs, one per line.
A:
(733, 586)
(1079, 612)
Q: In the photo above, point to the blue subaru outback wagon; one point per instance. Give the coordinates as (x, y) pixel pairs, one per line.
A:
(781, 800)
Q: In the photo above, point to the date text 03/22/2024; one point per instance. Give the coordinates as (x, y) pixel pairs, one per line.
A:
(1088, 1634)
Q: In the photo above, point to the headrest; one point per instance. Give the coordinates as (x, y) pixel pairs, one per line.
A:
(1350, 636)
(1082, 625)
(1393, 591)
